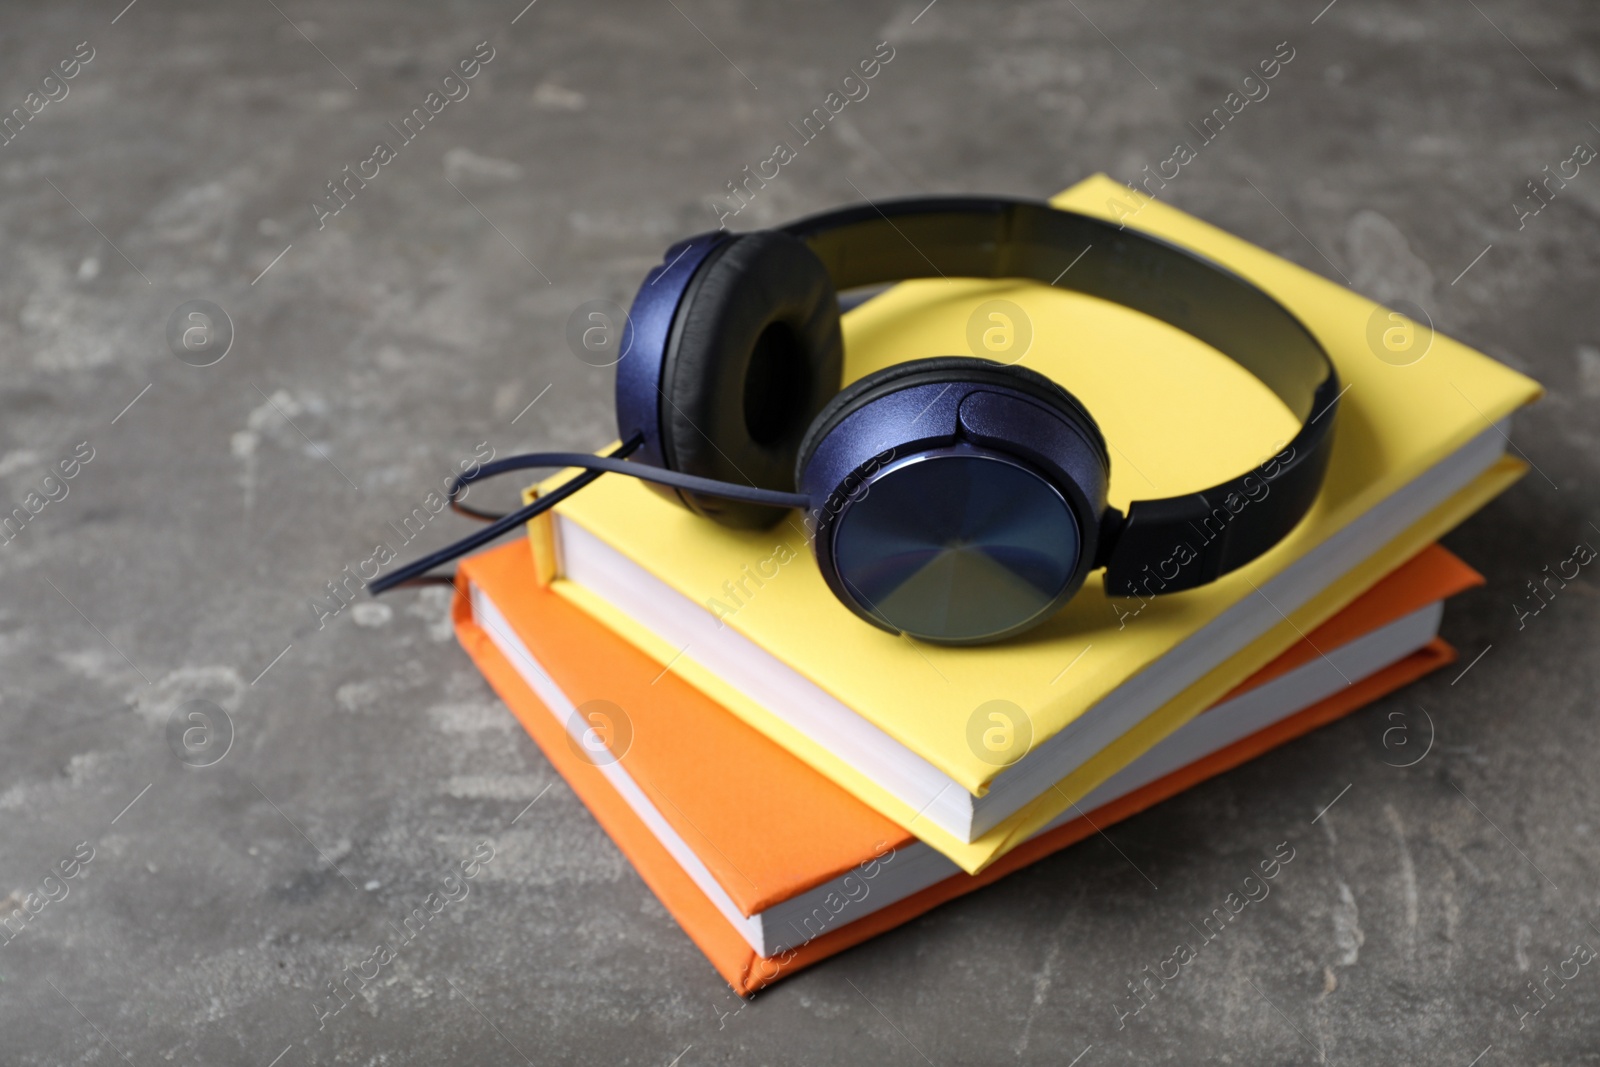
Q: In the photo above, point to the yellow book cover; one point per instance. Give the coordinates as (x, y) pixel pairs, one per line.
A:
(1178, 416)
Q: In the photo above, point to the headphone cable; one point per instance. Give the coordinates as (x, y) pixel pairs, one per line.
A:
(593, 466)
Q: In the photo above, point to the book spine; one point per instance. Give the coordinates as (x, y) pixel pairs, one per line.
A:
(543, 542)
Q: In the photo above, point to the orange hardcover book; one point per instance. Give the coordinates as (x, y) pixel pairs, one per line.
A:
(769, 866)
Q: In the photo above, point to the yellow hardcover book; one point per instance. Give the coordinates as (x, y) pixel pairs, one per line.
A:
(973, 749)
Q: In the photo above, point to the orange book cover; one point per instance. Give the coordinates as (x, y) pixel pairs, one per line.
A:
(764, 824)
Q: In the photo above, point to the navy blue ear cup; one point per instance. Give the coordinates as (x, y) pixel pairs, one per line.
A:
(960, 500)
(754, 353)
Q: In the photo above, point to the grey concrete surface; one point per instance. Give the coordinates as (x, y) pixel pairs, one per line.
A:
(368, 758)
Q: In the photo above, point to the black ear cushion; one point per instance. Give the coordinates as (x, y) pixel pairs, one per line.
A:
(943, 369)
(755, 352)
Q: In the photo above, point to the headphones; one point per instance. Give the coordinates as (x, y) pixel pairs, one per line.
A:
(953, 499)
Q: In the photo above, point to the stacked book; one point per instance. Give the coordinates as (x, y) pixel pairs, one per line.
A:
(790, 780)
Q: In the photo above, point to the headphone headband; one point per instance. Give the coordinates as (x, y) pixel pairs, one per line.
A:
(997, 237)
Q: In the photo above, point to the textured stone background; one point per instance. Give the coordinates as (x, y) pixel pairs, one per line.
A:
(378, 352)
